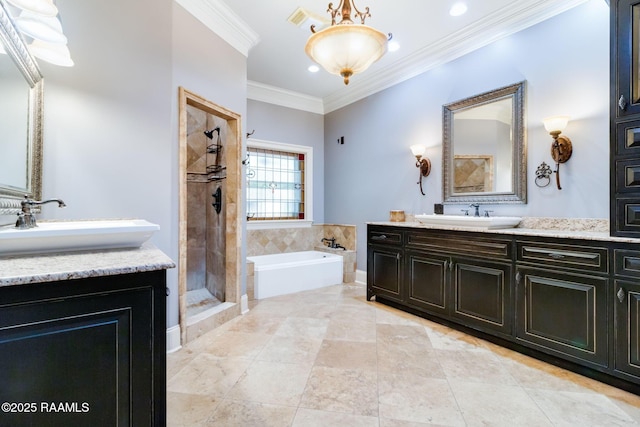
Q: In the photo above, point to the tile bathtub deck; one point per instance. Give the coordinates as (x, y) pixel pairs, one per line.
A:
(330, 358)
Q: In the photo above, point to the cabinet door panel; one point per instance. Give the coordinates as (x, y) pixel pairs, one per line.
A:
(627, 49)
(427, 281)
(482, 295)
(627, 332)
(563, 313)
(384, 273)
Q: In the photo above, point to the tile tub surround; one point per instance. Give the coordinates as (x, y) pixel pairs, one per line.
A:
(348, 262)
(279, 240)
(21, 270)
(352, 362)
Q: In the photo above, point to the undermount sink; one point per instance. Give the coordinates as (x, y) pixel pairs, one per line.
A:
(66, 236)
(470, 221)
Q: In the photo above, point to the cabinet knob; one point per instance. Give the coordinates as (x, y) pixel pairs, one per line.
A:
(518, 277)
(622, 103)
(621, 294)
(450, 265)
(380, 237)
(398, 256)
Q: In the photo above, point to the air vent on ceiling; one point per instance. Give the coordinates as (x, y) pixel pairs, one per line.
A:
(301, 17)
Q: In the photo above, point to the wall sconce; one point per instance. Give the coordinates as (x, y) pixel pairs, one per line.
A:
(561, 150)
(423, 163)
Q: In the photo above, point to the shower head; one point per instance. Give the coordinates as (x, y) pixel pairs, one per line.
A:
(209, 133)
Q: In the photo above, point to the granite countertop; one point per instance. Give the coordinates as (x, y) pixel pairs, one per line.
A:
(566, 228)
(25, 269)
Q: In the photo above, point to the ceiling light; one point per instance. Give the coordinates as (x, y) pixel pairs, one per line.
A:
(458, 9)
(53, 53)
(313, 68)
(346, 48)
(47, 28)
(43, 7)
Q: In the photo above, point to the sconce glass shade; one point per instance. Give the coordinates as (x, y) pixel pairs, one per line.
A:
(417, 150)
(555, 123)
(45, 28)
(54, 53)
(346, 49)
(42, 7)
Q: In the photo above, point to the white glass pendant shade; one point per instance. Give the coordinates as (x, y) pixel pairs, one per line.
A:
(417, 150)
(346, 49)
(45, 28)
(42, 7)
(555, 123)
(54, 53)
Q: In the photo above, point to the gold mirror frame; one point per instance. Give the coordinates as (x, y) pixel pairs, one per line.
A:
(10, 197)
(518, 195)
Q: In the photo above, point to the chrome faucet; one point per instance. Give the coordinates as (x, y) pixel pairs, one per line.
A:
(477, 207)
(26, 216)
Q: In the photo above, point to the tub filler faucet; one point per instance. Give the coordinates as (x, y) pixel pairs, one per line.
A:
(26, 216)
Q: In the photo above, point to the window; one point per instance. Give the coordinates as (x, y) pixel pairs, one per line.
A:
(278, 182)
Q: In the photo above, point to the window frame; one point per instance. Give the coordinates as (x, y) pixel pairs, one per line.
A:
(308, 185)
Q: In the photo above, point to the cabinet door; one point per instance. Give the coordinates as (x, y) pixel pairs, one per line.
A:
(626, 45)
(426, 281)
(86, 355)
(383, 272)
(482, 295)
(627, 334)
(563, 314)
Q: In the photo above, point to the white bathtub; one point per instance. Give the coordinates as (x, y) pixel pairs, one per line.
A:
(286, 273)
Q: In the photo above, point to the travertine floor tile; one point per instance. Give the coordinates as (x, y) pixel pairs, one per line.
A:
(208, 375)
(189, 410)
(237, 413)
(348, 355)
(303, 327)
(410, 396)
(567, 408)
(474, 366)
(497, 405)
(315, 418)
(342, 390)
(231, 344)
(272, 382)
(298, 350)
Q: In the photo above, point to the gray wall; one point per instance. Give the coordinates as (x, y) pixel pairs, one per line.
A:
(280, 124)
(111, 121)
(565, 62)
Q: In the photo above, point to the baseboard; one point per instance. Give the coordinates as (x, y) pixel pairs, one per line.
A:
(173, 339)
(361, 277)
(244, 304)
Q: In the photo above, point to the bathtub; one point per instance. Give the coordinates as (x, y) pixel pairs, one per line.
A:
(286, 273)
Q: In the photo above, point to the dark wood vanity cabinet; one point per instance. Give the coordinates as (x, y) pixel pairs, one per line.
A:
(625, 118)
(626, 303)
(84, 352)
(384, 258)
(569, 301)
(461, 279)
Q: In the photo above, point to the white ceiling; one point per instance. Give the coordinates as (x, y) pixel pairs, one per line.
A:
(427, 34)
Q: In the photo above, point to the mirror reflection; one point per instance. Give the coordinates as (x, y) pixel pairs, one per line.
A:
(20, 120)
(484, 148)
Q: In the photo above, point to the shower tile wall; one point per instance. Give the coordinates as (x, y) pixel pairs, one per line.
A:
(205, 228)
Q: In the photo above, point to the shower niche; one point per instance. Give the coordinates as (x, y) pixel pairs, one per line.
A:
(209, 270)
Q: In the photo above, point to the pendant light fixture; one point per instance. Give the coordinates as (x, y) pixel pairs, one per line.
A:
(346, 48)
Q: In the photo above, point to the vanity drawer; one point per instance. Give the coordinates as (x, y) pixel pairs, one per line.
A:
(626, 262)
(584, 258)
(385, 237)
(460, 243)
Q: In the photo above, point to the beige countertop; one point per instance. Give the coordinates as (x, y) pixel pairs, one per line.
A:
(25, 269)
(583, 229)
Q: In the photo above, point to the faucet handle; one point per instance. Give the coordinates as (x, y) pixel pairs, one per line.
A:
(466, 211)
(486, 213)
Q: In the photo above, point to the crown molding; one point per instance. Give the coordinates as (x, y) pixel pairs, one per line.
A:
(220, 19)
(285, 98)
(503, 23)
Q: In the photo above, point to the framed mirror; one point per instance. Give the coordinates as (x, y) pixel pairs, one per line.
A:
(484, 148)
(20, 119)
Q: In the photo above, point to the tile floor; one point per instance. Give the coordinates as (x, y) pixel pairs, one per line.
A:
(330, 358)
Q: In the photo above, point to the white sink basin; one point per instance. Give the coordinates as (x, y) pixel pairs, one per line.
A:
(470, 221)
(65, 236)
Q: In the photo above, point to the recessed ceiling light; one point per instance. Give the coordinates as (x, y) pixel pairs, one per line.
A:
(458, 9)
(393, 46)
(313, 68)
